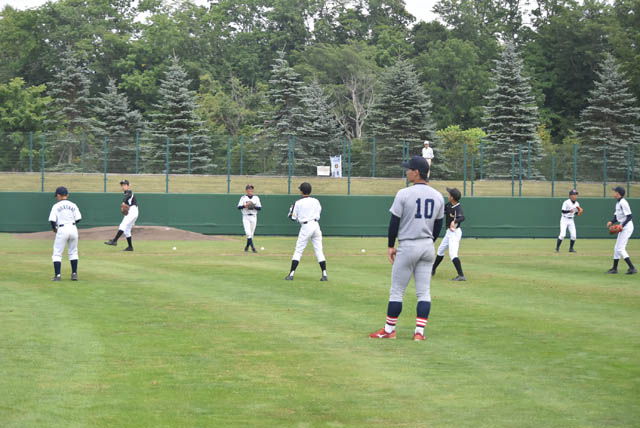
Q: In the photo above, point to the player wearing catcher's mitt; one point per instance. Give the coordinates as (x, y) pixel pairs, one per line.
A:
(249, 205)
(129, 209)
(570, 208)
(624, 229)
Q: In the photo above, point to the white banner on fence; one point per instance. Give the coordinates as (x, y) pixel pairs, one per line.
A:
(336, 166)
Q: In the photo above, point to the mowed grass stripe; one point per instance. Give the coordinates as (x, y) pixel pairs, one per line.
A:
(192, 338)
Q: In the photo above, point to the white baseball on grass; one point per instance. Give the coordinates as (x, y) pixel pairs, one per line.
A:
(262, 248)
(174, 248)
(363, 250)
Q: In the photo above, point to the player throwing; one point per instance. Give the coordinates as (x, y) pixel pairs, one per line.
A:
(63, 218)
(130, 210)
(249, 205)
(306, 211)
(453, 217)
(622, 215)
(417, 211)
(569, 209)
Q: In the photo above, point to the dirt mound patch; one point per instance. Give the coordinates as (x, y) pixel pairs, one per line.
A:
(142, 233)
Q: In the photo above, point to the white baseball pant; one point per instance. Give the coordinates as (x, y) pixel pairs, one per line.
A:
(452, 242)
(249, 222)
(620, 250)
(129, 221)
(66, 235)
(312, 231)
(415, 258)
(564, 224)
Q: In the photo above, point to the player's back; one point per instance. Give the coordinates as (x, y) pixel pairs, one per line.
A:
(307, 209)
(64, 212)
(418, 207)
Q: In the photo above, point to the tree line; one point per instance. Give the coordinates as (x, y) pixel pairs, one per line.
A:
(539, 78)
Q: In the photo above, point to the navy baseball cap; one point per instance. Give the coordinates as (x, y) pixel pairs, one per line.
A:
(305, 188)
(417, 162)
(620, 190)
(455, 193)
(573, 192)
(62, 191)
(124, 182)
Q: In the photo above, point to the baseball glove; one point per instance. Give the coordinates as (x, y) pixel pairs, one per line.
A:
(250, 205)
(580, 211)
(615, 228)
(124, 208)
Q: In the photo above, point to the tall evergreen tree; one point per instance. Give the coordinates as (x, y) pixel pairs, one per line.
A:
(611, 118)
(175, 118)
(114, 120)
(402, 112)
(69, 113)
(511, 116)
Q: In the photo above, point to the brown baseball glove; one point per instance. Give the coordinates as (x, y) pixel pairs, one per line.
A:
(580, 211)
(124, 208)
(615, 228)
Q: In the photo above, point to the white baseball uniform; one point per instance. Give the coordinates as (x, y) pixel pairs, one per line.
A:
(306, 211)
(427, 153)
(65, 214)
(569, 208)
(622, 211)
(249, 216)
(452, 239)
(129, 220)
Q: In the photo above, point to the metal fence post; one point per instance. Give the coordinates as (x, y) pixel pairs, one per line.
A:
(42, 164)
(166, 185)
(189, 154)
(137, 151)
(288, 165)
(241, 153)
(373, 158)
(464, 169)
(84, 139)
(513, 165)
(575, 166)
(604, 170)
(293, 155)
(405, 158)
(104, 166)
(30, 151)
(529, 160)
(628, 171)
(553, 174)
(349, 170)
(633, 161)
(472, 171)
(228, 165)
(481, 159)
(520, 170)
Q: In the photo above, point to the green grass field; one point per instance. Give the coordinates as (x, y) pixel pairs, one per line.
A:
(209, 336)
(146, 183)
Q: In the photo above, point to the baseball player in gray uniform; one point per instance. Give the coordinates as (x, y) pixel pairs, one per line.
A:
(306, 211)
(417, 212)
(623, 217)
(63, 217)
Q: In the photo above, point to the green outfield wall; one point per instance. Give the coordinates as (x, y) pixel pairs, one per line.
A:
(341, 215)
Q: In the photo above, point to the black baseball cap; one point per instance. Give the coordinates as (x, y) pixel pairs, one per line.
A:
(417, 162)
(455, 193)
(62, 191)
(573, 192)
(248, 186)
(124, 182)
(620, 190)
(305, 188)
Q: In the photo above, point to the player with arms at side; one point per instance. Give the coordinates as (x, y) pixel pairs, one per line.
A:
(453, 217)
(249, 205)
(623, 217)
(417, 212)
(570, 208)
(129, 209)
(63, 218)
(306, 211)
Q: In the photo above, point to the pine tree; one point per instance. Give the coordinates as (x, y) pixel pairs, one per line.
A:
(69, 113)
(511, 116)
(114, 120)
(402, 112)
(175, 117)
(611, 118)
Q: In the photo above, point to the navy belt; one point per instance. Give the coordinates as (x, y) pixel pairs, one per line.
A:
(305, 222)
(250, 214)
(62, 225)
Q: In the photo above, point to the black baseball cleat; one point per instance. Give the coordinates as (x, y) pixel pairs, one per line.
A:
(246, 249)
(254, 250)
(631, 271)
(56, 278)
(128, 249)
(288, 278)
(111, 242)
(612, 271)
(459, 278)
(74, 276)
(433, 273)
(572, 251)
(557, 250)
(324, 278)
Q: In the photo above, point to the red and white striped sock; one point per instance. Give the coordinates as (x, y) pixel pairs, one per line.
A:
(390, 325)
(420, 324)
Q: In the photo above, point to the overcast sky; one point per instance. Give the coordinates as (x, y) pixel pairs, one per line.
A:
(421, 9)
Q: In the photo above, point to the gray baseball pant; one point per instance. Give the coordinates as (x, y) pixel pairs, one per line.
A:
(414, 258)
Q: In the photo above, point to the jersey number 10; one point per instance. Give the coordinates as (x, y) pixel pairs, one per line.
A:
(428, 208)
